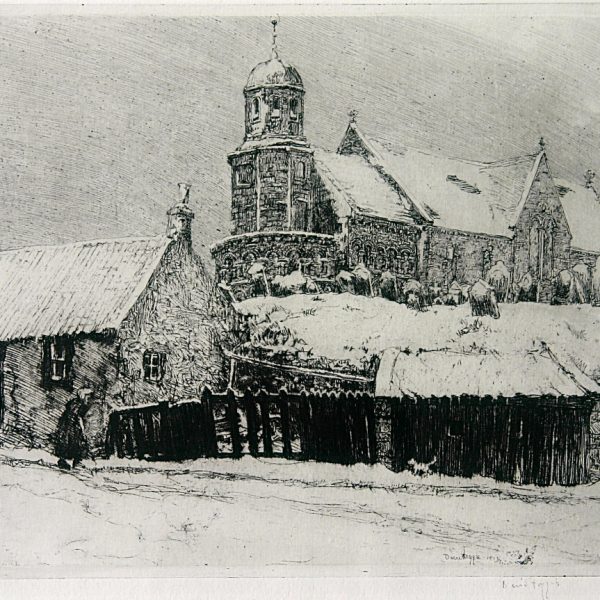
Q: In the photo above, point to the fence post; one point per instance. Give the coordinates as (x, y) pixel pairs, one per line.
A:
(236, 444)
(209, 433)
(284, 411)
(306, 431)
(251, 419)
(166, 438)
(112, 436)
(264, 400)
(369, 408)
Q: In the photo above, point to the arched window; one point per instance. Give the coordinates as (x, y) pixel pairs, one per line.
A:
(255, 109)
(487, 261)
(541, 249)
(276, 107)
(294, 108)
(406, 262)
(245, 174)
(534, 235)
(300, 170)
(381, 259)
(357, 253)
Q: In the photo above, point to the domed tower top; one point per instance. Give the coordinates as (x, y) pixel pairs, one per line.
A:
(274, 96)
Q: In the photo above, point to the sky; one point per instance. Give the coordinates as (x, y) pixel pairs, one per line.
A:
(101, 116)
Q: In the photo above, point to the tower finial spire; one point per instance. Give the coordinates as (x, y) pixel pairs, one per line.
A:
(353, 115)
(274, 52)
(542, 144)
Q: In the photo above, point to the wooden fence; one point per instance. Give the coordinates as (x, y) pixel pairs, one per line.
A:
(334, 427)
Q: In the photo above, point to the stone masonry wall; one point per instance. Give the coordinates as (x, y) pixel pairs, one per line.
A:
(542, 205)
(383, 245)
(174, 316)
(458, 255)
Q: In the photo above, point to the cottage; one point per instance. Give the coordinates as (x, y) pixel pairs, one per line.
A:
(128, 318)
(521, 418)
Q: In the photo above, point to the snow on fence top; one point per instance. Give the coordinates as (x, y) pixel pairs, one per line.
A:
(444, 373)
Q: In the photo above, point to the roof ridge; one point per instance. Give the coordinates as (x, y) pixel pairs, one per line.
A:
(471, 161)
(81, 243)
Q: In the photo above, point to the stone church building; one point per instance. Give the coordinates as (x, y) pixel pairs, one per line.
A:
(397, 210)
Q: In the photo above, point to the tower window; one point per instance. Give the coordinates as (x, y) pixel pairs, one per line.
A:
(245, 174)
(255, 109)
(294, 108)
(300, 170)
(276, 110)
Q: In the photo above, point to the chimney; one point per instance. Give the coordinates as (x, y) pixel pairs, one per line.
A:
(180, 217)
(589, 182)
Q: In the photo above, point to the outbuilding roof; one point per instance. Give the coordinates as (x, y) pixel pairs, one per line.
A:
(443, 373)
(82, 287)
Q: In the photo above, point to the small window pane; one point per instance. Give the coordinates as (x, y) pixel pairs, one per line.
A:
(153, 365)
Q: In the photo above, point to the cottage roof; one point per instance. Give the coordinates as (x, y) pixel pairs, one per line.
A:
(441, 373)
(82, 287)
(356, 185)
(478, 197)
(582, 209)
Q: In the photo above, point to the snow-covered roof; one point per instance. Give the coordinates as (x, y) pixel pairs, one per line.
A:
(464, 195)
(81, 287)
(355, 184)
(273, 72)
(472, 196)
(582, 209)
(443, 373)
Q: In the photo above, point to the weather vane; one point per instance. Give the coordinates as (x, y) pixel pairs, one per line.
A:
(274, 22)
(353, 114)
(542, 144)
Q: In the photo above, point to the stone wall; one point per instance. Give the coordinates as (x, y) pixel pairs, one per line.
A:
(174, 316)
(274, 171)
(280, 252)
(583, 256)
(383, 245)
(324, 217)
(464, 257)
(274, 378)
(542, 209)
(243, 195)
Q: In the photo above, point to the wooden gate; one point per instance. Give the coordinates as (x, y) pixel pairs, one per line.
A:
(333, 427)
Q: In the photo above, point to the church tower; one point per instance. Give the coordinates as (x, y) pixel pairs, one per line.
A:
(272, 169)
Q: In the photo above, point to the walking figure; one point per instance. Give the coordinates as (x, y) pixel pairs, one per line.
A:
(70, 442)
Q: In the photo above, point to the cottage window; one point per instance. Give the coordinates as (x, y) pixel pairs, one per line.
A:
(57, 360)
(245, 174)
(154, 365)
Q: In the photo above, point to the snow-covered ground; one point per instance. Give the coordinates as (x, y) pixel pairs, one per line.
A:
(275, 515)
(348, 327)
